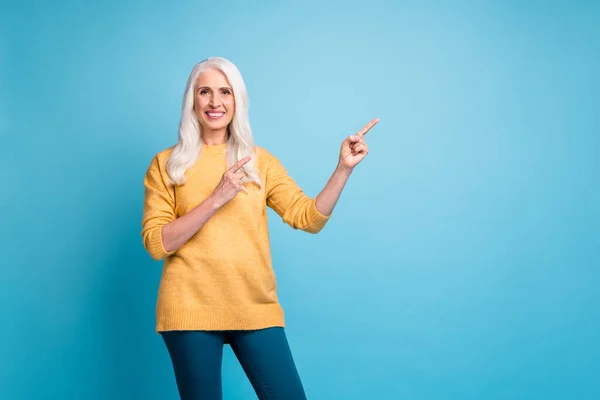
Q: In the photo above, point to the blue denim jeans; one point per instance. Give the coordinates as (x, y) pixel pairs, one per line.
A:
(264, 355)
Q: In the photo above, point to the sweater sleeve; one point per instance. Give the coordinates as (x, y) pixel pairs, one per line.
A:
(159, 210)
(289, 201)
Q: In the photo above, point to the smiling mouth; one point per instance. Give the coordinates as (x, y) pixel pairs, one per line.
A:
(214, 115)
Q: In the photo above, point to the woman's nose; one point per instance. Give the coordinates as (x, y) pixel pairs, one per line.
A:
(215, 100)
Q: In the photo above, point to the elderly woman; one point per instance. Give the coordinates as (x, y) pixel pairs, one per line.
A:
(205, 215)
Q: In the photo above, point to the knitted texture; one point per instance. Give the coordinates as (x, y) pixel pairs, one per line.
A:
(222, 278)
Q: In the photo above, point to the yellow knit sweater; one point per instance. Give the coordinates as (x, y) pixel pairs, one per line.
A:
(222, 278)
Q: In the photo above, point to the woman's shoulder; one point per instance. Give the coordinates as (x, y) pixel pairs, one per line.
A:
(264, 154)
(269, 163)
(164, 154)
(159, 159)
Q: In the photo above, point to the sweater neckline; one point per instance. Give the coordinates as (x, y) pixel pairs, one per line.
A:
(214, 148)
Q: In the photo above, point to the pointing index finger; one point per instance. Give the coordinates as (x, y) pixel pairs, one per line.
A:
(368, 127)
(238, 165)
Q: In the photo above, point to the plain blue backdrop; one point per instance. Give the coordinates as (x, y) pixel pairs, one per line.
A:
(462, 261)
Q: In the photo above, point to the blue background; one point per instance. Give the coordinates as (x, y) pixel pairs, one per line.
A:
(463, 260)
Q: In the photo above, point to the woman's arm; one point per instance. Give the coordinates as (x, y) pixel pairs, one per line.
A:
(329, 196)
(163, 233)
(294, 206)
(353, 151)
(176, 233)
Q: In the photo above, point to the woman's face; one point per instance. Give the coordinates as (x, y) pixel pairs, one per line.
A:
(214, 104)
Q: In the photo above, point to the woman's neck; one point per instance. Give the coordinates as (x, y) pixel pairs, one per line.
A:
(215, 138)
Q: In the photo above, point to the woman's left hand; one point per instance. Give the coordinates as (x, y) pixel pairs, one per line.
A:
(354, 148)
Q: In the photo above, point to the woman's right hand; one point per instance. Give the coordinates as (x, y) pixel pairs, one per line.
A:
(230, 184)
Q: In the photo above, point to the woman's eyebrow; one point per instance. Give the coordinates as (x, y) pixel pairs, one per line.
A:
(208, 87)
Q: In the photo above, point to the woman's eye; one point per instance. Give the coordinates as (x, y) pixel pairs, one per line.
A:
(226, 92)
(203, 91)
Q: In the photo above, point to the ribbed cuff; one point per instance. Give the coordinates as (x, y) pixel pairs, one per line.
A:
(155, 246)
(317, 219)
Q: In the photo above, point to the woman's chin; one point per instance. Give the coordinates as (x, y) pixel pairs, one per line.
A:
(214, 125)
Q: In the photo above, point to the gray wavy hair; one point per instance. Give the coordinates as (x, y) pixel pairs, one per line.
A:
(189, 146)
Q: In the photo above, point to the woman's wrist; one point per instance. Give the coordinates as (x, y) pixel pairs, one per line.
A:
(213, 202)
(344, 170)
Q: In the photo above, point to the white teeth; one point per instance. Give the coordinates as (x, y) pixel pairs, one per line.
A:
(215, 114)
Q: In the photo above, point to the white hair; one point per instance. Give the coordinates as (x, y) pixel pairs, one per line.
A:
(240, 144)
